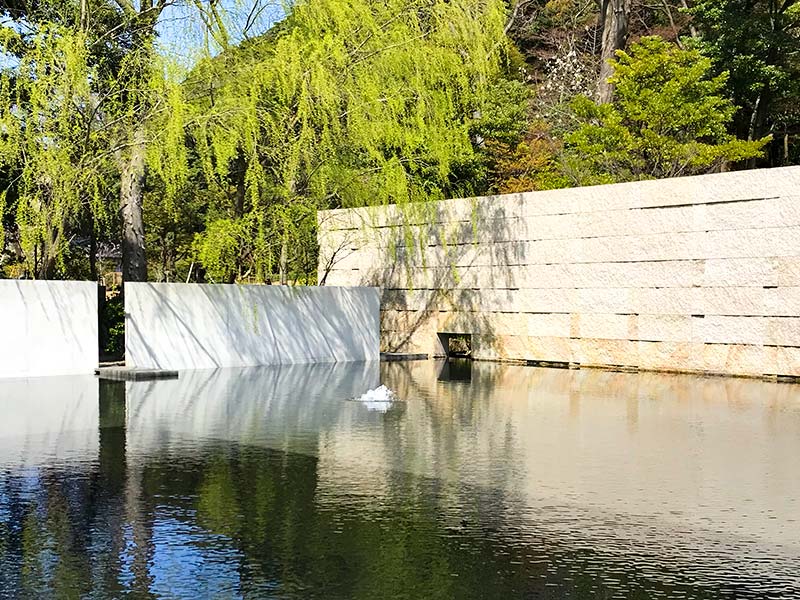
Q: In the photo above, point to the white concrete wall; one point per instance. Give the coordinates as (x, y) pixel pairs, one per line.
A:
(191, 326)
(690, 274)
(48, 328)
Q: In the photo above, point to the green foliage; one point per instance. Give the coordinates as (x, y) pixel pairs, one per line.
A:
(500, 123)
(528, 164)
(171, 226)
(669, 118)
(344, 104)
(3, 203)
(112, 327)
(219, 247)
(50, 142)
(758, 43)
(357, 102)
(79, 88)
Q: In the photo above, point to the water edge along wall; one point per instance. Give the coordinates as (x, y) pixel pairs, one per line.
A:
(696, 274)
(200, 326)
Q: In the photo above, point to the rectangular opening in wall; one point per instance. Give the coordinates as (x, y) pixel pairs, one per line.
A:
(456, 344)
(111, 324)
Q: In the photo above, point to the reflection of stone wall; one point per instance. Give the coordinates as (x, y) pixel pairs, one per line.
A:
(48, 328)
(190, 326)
(663, 453)
(47, 419)
(690, 274)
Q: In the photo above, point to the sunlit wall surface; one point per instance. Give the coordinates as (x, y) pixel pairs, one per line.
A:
(191, 326)
(48, 328)
(698, 274)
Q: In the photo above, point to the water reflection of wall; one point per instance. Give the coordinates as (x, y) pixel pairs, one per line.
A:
(703, 453)
(275, 406)
(254, 478)
(48, 420)
(641, 455)
(687, 451)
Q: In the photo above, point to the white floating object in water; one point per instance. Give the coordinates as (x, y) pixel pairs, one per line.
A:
(380, 394)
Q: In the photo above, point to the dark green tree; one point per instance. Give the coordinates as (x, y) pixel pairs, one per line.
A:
(757, 42)
(669, 118)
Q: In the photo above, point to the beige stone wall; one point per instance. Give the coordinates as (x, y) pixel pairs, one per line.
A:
(689, 274)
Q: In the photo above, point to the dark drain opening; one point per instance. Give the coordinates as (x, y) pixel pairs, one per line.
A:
(456, 344)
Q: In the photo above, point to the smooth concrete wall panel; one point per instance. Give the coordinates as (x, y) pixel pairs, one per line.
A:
(48, 328)
(689, 274)
(190, 326)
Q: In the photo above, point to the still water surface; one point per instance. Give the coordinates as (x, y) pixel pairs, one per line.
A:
(487, 481)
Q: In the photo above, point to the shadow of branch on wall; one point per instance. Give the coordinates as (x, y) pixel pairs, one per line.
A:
(206, 326)
(48, 327)
(442, 266)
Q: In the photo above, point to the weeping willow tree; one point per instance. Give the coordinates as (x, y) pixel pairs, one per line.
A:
(345, 103)
(50, 144)
(81, 90)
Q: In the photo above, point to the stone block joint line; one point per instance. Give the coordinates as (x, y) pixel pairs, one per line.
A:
(695, 274)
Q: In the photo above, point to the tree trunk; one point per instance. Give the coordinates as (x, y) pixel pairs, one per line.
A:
(134, 260)
(164, 259)
(48, 265)
(785, 147)
(283, 265)
(759, 120)
(92, 251)
(49, 254)
(241, 187)
(692, 28)
(614, 27)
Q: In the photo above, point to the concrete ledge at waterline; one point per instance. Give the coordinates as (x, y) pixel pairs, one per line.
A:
(48, 328)
(176, 326)
(132, 374)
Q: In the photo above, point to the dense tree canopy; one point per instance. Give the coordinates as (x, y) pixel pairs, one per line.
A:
(669, 119)
(758, 43)
(346, 104)
(110, 149)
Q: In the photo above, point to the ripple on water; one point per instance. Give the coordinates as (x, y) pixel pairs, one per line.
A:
(521, 482)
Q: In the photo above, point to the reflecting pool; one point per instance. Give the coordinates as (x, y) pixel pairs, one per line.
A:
(483, 481)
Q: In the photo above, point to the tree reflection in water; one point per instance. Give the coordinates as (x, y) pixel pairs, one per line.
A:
(268, 483)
